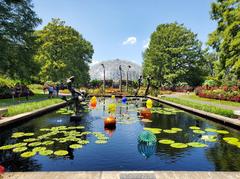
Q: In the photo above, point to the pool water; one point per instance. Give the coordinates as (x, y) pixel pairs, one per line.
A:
(122, 150)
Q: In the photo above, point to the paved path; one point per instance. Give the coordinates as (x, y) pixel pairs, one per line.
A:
(180, 95)
(123, 175)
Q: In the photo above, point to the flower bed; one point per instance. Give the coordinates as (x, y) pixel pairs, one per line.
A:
(221, 93)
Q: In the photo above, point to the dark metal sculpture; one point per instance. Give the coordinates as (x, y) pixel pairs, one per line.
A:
(139, 85)
(77, 96)
(148, 85)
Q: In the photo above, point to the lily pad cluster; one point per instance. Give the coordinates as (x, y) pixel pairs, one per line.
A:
(179, 145)
(65, 111)
(72, 136)
(165, 111)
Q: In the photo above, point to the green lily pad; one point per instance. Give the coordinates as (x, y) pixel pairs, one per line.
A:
(62, 140)
(45, 129)
(222, 132)
(170, 131)
(83, 142)
(79, 127)
(29, 134)
(18, 134)
(209, 138)
(34, 144)
(20, 144)
(179, 145)
(100, 141)
(194, 128)
(45, 152)
(153, 130)
(28, 154)
(230, 139)
(198, 131)
(7, 147)
(38, 149)
(210, 130)
(75, 146)
(61, 152)
(48, 142)
(232, 142)
(19, 149)
(176, 129)
(30, 140)
(166, 141)
(196, 144)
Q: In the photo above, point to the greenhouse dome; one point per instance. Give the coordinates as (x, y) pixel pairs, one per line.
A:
(112, 71)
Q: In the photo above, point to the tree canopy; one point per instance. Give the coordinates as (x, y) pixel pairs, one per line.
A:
(226, 38)
(62, 52)
(17, 23)
(174, 56)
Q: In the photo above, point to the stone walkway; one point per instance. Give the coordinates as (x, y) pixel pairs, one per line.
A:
(179, 95)
(123, 175)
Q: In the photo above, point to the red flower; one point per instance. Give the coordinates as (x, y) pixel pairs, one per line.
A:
(2, 169)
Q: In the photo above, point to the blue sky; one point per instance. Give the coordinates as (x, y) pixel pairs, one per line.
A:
(121, 29)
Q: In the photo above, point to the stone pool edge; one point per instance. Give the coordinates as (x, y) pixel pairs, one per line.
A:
(5, 121)
(235, 123)
(124, 175)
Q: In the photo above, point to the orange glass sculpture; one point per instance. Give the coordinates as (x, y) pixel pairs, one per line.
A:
(146, 113)
(93, 102)
(110, 122)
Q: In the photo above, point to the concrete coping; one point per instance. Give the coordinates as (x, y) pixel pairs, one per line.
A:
(124, 175)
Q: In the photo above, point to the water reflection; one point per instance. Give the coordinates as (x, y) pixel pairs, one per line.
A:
(146, 150)
(123, 152)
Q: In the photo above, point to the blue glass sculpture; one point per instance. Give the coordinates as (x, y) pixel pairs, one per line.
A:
(147, 137)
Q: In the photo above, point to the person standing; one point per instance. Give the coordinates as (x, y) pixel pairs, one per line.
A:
(50, 91)
(57, 89)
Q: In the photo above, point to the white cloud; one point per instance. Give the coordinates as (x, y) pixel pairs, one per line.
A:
(146, 44)
(130, 41)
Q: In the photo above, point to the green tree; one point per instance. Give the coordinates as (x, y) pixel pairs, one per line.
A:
(174, 55)
(62, 52)
(17, 23)
(226, 38)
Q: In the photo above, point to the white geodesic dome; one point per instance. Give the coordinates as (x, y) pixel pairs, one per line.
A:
(112, 70)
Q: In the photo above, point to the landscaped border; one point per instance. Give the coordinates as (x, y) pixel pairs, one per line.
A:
(29, 115)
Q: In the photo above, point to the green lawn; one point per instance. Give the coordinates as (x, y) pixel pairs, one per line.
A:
(203, 107)
(10, 101)
(27, 107)
(222, 102)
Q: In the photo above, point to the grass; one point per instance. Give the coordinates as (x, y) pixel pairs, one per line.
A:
(203, 107)
(222, 102)
(27, 107)
(10, 101)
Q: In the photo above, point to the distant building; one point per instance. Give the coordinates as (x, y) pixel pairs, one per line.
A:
(112, 70)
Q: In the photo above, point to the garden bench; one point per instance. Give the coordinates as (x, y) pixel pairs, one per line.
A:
(3, 111)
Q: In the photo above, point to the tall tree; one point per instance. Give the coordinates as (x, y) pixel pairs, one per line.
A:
(62, 52)
(226, 38)
(174, 55)
(17, 23)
